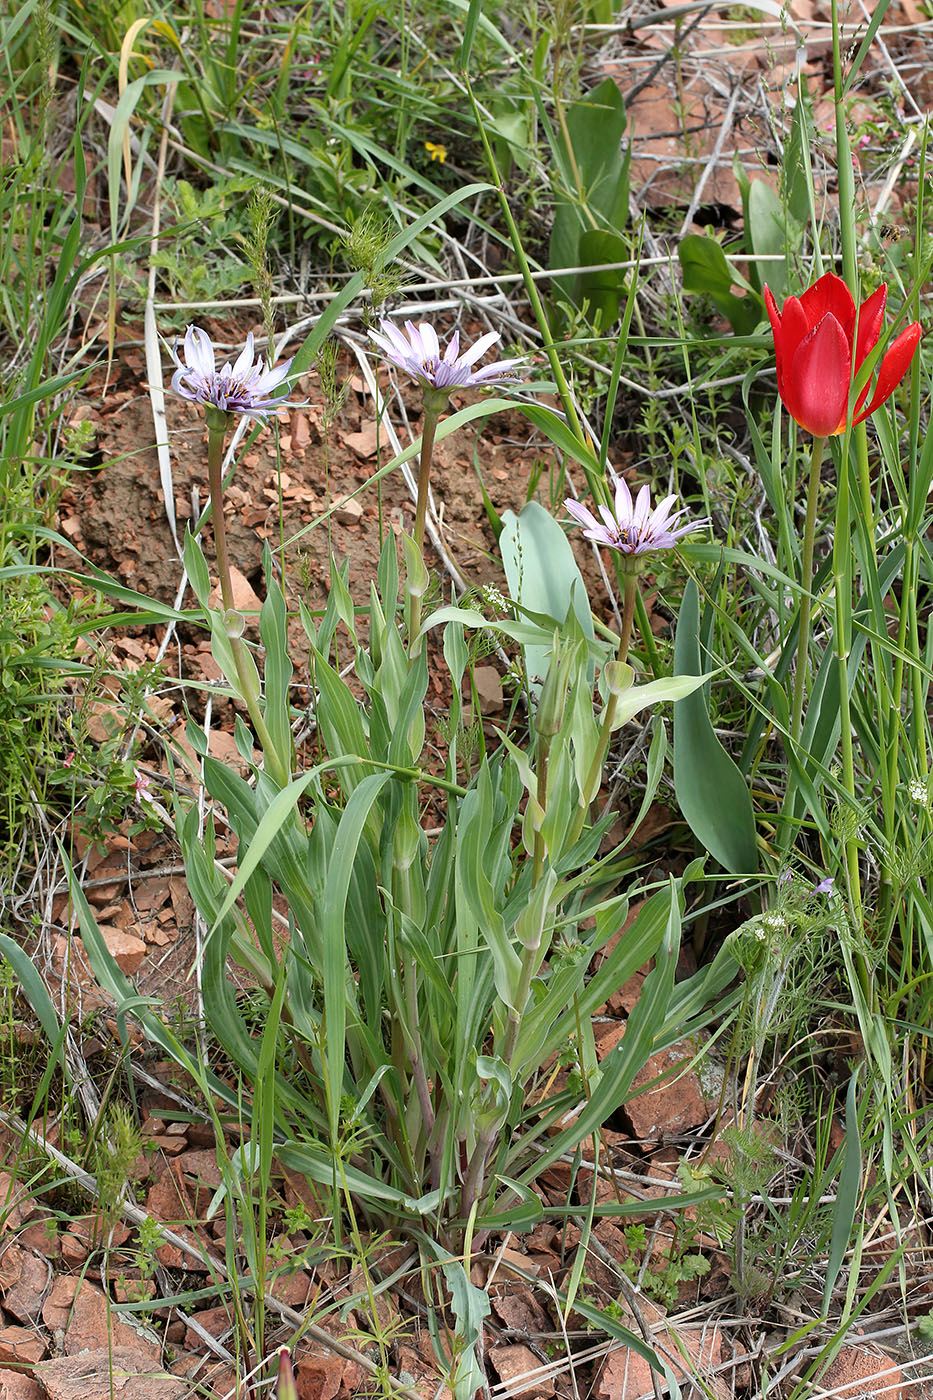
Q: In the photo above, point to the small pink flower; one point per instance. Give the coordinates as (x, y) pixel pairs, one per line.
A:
(417, 351)
(69, 759)
(244, 387)
(141, 783)
(632, 527)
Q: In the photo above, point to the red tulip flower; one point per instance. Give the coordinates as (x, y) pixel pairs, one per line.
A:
(819, 351)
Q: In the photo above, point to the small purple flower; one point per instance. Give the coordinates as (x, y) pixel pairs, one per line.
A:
(633, 527)
(785, 877)
(418, 353)
(825, 886)
(243, 387)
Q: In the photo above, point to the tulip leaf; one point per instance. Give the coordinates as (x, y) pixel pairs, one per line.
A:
(798, 177)
(705, 269)
(543, 575)
(768, 232)
(711, 791)
(592, 200)
(602, 288)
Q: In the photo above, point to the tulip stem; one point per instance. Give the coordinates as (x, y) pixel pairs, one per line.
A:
(842, 642)
(806, 586)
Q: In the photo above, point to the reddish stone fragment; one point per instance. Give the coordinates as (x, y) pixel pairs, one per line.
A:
(519, 1369)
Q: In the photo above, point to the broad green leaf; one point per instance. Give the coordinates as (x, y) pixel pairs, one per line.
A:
(704, 268)
(711, 791)
(600, 288)
(639, 697)
(592, 195)
(543, 575)
(768, 233)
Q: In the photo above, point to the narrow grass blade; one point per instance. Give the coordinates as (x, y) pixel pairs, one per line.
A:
(847, 1195)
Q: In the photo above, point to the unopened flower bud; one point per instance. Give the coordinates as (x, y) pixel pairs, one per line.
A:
(618, 677)
(234, 624)
(550, 712)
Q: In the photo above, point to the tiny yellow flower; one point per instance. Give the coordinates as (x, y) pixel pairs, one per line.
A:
(436, 151)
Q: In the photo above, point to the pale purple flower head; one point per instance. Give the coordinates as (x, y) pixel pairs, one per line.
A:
(825, 886)
(243, 387)
(632, 527)
(417, 351)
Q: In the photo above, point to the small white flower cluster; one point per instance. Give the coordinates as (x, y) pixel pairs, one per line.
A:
(917, 791)
(494, 598)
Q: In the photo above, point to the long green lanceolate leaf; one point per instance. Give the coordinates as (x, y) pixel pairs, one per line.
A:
(712, 793)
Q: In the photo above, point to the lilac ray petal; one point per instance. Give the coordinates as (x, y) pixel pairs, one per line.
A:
(642, 512)
(625, 506)
(244, 360)
(475, 352)
(272, 378)
(582, 515)
(199, 350)
(428, 338)
(662, 510)
(180, 387)
(390, 338)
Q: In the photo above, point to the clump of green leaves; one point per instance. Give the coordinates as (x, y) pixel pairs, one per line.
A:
(201, 263)
(37, 653)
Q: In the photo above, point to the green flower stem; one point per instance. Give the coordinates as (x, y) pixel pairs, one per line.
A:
(544, 751)
(591, 783)
(435, 401)
(531, 953)
(628, 612)
(842, 590)
(217, 422)
(891, 740)
(531, 290)
(474, 1180)
(431, 414)
(806, 586)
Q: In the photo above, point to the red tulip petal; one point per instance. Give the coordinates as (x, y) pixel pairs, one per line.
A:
(870, 321)
(819, 377)
(830, 297)
(793, 330)
(894, 366)
(774, 316)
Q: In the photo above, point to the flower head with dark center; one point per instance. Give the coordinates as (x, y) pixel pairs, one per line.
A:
(417, 351)
(820, 345)
(243, 387)
(631, 526)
